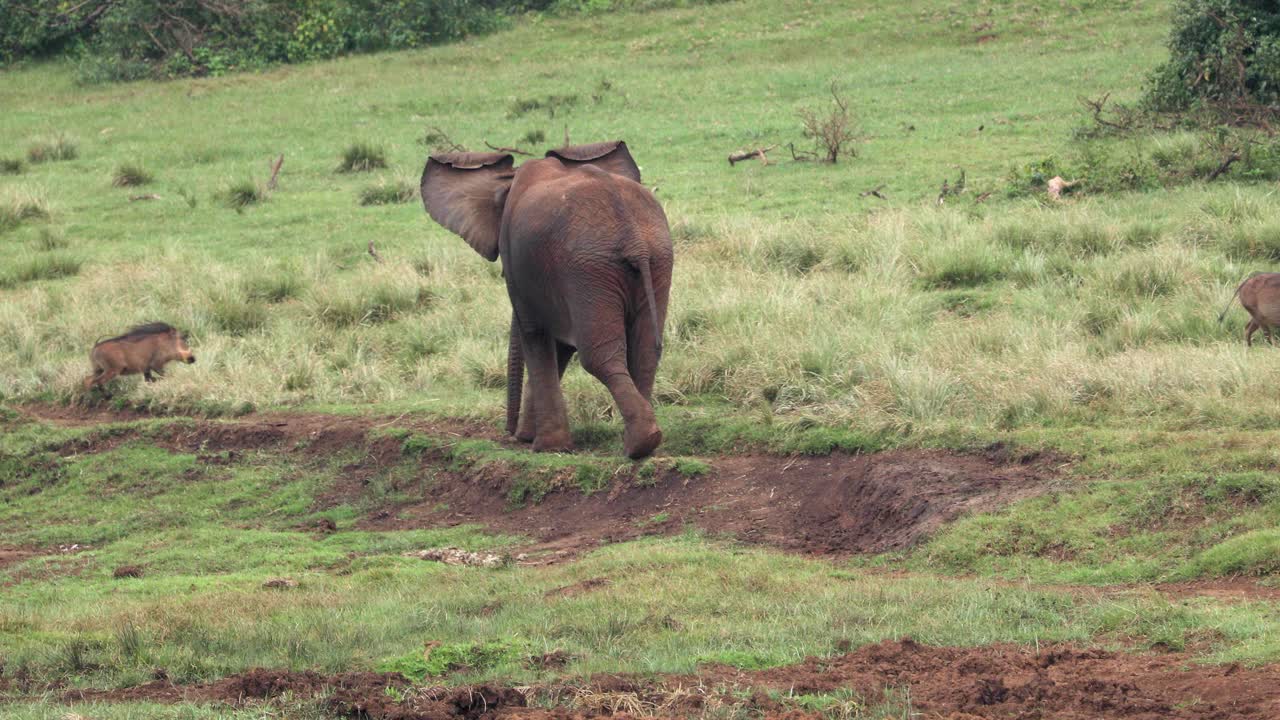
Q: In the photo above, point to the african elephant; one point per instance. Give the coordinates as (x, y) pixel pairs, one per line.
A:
(587, 258)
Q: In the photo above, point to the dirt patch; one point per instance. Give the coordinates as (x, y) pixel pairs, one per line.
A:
(1005, 681)
(836, 505)
(1222, 589)
(14, 555)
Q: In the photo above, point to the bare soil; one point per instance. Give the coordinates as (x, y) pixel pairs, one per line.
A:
(1063, 682)
(835, 505)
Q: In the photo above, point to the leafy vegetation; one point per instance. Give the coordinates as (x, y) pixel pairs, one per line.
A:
(1224, 54)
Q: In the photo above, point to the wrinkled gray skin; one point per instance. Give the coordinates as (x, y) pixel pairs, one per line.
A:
(586, 253)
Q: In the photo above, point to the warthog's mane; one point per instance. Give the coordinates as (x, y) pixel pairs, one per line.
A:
(138, 332)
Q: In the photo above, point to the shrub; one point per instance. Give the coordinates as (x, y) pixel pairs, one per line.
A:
(832, 132)
(129, 175)
(59, 146)
(361, 157)
(1222, 52)
(11, 166)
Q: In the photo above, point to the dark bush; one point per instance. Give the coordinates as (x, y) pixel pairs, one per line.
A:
(122, 39)
(1222, 52)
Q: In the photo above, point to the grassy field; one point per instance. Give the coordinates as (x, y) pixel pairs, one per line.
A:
(805, 317)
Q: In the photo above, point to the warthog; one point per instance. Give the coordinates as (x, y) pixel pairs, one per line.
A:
(1260, 296)
(144, 349)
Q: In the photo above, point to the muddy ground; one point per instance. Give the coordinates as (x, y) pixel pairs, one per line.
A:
(835, 505)
(1062, 682)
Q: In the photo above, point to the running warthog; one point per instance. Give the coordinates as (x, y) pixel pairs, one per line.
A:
(144, 349)
(1260, 295)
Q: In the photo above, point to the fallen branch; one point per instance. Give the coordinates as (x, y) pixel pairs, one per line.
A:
(1223, 167)
(747, 155)
(440, 142)
(149, 196)
(516, 151)
(374, 253)
(803, 155)
(275, 172)
(874, 192)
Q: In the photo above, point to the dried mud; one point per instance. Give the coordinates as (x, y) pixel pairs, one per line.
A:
(1063, 682)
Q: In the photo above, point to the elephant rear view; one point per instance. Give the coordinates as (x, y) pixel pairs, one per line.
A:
(586, 254)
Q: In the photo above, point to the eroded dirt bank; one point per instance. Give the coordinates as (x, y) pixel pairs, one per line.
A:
(835, 505)
(1063, 682)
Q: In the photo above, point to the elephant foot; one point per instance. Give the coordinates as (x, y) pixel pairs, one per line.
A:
(553, 442)
(642, 443)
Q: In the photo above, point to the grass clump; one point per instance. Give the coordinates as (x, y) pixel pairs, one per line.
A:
(130, 175)
(45, 266)
(388, 193)
(59, 146)
(275, 286)
(242, 194)
(21, 205)
(443, 659)
(235, 314)
(12, 166)
(369, 300)
(1253, 553)
(362, 157)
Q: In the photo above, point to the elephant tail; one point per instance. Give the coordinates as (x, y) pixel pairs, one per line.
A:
(515, 376)
(1223, 314)
(647, 277)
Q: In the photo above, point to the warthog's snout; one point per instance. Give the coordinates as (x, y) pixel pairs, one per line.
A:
(191, 359)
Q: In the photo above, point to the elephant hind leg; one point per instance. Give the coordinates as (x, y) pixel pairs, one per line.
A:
(526, 430)
(642, 357)
(642, 435)
(550, 419)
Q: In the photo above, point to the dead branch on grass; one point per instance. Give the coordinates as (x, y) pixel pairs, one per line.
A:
(749, 154)
(874, 192)
(514, 151)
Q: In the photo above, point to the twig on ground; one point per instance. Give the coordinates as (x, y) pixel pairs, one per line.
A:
(874, 192)
(516, 151)
(748, 154)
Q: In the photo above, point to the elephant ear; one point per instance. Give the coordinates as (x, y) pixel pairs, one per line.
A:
(465, 192)
(611, 156)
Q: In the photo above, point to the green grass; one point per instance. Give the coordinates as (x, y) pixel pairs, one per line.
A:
(805, 318)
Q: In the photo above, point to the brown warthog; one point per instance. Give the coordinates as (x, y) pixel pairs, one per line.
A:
(1260, 295)
(144, 349)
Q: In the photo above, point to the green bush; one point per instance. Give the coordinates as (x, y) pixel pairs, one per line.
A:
(126, 39)
(1223, 52)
